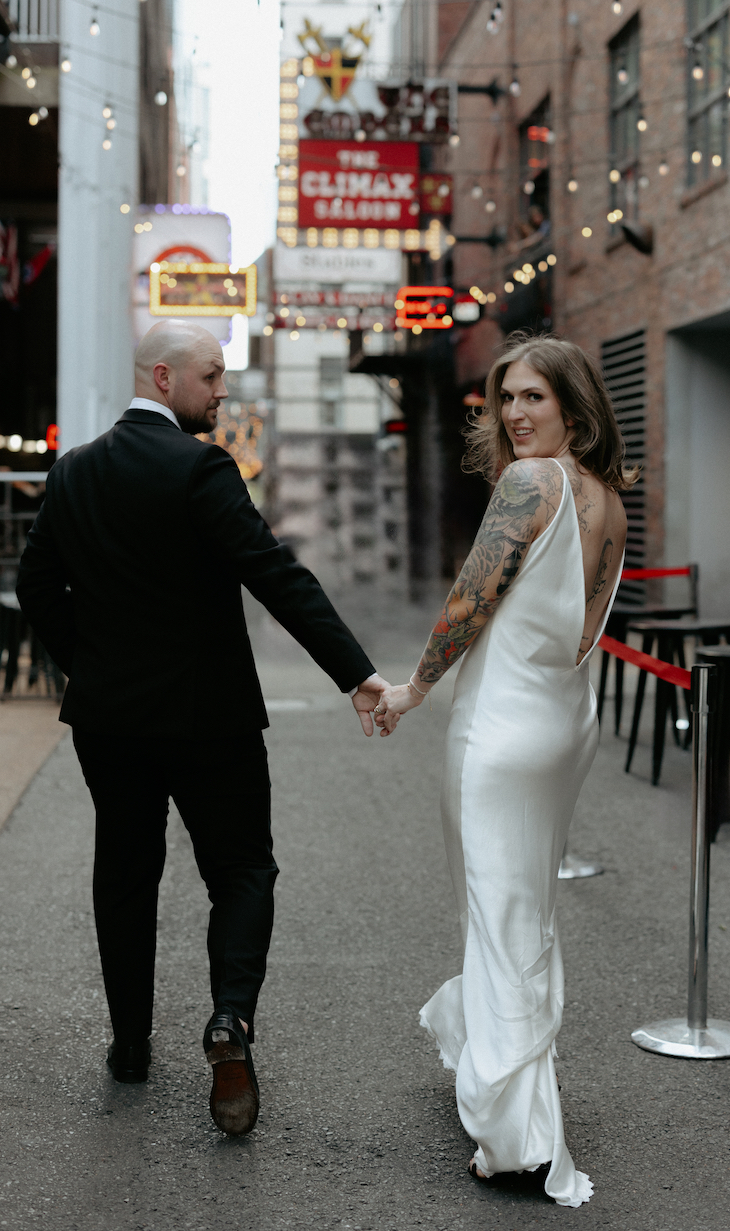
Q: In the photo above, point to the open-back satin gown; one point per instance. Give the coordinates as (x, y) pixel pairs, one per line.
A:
(522, 736)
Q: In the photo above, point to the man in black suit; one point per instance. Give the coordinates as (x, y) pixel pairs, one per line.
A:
(132, 579)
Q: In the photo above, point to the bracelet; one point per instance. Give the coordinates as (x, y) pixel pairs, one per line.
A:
(423, 694)
(410, 685)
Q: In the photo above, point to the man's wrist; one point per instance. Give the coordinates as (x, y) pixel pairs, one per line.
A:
(357, 687)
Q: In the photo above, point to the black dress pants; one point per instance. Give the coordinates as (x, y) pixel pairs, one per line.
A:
(221, 788)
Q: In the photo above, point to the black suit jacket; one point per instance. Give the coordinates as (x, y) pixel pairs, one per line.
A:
(132, 580)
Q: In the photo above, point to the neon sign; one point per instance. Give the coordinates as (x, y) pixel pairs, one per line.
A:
(200, 288)
(424, 307)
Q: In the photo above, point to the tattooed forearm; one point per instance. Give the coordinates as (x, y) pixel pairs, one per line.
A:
(525, 500)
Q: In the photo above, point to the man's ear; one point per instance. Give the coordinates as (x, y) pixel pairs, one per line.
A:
(161, 376)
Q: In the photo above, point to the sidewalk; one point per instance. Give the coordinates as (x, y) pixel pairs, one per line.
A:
(358, 1129)
(29, 731)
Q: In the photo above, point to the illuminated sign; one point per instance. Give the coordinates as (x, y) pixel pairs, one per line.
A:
(198, 288)
(466, 310)
(52, 436)
(334, 66)
(358, 183)
(395, 427)
(423, 307)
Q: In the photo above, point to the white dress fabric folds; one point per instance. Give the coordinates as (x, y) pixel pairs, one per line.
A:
(522, 736)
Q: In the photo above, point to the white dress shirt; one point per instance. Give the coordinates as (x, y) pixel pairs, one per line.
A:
(148, 404)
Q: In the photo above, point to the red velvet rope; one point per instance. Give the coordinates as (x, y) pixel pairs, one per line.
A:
(642, 574)
(665, 671)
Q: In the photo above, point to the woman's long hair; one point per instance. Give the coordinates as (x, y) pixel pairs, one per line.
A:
(575, 379)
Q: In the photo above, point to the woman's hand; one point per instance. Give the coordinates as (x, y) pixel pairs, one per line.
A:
(394, 702)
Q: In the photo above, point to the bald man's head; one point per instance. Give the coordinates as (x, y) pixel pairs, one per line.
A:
(181, 366)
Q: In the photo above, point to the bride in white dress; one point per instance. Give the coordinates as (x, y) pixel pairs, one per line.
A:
(528, 608)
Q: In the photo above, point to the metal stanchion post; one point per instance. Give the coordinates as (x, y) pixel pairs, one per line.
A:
(697, 1037)
(573, 868)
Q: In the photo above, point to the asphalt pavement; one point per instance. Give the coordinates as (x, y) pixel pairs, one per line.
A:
(358, 1127)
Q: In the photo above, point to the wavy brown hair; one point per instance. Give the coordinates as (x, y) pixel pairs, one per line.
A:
(575, 379)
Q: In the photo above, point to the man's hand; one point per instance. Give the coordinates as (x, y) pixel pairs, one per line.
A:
(367, 697)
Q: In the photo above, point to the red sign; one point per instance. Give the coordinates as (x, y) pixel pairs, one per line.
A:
(358, 184)
(435, 190)
(423, 307)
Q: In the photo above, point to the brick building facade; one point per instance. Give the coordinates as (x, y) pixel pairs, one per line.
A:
(595, 170)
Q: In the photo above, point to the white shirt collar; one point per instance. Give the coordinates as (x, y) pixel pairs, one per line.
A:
(148, 404)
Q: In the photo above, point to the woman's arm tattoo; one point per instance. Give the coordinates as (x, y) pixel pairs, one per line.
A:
(509, 527)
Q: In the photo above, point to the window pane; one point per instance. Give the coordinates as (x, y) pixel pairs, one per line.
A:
(625, 63)
(708, 63)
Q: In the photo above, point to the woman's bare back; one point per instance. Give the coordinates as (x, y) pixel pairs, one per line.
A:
(602, 522)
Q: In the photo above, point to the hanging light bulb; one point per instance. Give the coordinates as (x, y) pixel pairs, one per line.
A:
(106, 145)
(490, 207)
(454, 139)
(641, 124)
(65, 66)
(160, 98)
(614, 176)
(107, 112)
(663, 166)
(622, 75)
(698, 71)
(94, 28)
(515, 88)
(643, 181)
(617, 7)
(572, 185)
(477, 191)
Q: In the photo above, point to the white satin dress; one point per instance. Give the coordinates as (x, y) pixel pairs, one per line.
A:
(522, 736)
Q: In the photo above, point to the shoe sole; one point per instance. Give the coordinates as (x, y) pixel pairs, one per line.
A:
(234, 1101)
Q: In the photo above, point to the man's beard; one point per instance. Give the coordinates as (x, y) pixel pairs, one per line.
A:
(194, 424)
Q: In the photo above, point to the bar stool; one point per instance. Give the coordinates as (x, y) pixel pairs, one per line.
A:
(622, 614)
(669, 636)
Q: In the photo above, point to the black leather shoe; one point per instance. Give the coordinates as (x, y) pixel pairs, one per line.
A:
(234, 1099)
(129, 1062)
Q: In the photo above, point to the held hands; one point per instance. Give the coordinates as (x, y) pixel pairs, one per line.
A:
(366, 699)
(394, 702)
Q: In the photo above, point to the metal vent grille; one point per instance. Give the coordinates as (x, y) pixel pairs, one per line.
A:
(624, 370)
(37, 20)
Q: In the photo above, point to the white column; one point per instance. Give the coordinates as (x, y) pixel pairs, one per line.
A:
(95, 346)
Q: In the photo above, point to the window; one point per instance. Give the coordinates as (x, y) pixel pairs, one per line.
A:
(331, 372)
(624, 120)
(708, 80)
(536, 138)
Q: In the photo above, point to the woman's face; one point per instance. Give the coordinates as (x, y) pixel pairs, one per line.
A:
(531, 414)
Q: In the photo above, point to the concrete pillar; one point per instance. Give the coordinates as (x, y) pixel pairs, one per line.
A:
(95, 347)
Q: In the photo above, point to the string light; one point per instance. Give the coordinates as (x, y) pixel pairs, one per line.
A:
(716, 160)
(294, 335)
(180, 171)
(622, 75)
(124, 209)
(25, 74)
(617, 7)
(477, 191)
(515, 88)
(268, 330)
(65, 66)
(160, 98)
(551, 259)
(11, 62)
(615, 216)
(529, 187)
(454, 139)
(107, 112)
(490, 207)
(664, 167)
(43, 112)
(698, 71)
(509, 287)
(643, 181)
(94, 28)
(586, 232)
(106, 145)
(614, 176)
(31, 83)
(33, 119)
(641, 124)
(572, 185)
(696, 156)
(111, 125)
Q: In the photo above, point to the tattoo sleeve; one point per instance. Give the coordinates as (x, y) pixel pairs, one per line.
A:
(525, 499)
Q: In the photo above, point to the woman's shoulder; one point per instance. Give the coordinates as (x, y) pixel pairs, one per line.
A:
(531, 484)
